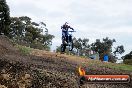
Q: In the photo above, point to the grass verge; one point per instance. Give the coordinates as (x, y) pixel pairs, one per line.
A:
(115, 66)
(23, 49)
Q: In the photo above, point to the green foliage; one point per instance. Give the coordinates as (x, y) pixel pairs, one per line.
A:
(103, 47)
(4, 18)
(47, 39)
(81, 46)
(127, 59)
(119, 50)
(119, 66)
(58, 49)
(24, 50)
(28, 33)
(128, 56)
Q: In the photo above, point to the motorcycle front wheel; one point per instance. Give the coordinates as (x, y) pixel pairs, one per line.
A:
(70, 46)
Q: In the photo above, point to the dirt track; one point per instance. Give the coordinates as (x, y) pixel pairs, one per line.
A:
(42, 69)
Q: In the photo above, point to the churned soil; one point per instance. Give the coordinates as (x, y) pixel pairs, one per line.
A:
(43, 69)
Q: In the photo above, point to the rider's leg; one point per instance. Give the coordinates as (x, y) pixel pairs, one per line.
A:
(67, 38)
(64, 40)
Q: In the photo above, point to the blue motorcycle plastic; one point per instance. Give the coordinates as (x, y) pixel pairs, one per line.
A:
(67, 41)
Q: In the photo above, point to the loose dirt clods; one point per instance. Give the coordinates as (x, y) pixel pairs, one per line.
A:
(42, 69)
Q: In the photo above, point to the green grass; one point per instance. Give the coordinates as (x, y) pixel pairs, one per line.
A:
(116, 66)
(24, 50)
(121, 67)
(93, 63)
(27, 50)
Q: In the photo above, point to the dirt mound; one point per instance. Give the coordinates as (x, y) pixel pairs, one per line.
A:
(6, 45)
(20, 75)
(44, 69)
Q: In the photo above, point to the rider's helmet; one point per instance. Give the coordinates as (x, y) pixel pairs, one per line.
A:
(66, 23)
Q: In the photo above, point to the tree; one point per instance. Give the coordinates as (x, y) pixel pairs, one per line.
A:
(85, 47)
(77, 45)
(127, 59)
(17, 28)
(104, 47)
(80, 47)
(119, 50)
(29, 33)
(58, 49)
(4, 18)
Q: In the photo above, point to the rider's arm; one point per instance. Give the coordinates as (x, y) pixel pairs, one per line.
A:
(71, 28)
(61, 27)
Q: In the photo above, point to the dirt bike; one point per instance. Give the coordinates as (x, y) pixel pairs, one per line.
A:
(67, 41)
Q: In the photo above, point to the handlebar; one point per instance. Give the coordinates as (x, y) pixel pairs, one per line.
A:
(71, 31)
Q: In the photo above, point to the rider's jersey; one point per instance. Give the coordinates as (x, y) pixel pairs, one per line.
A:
(65, 30)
